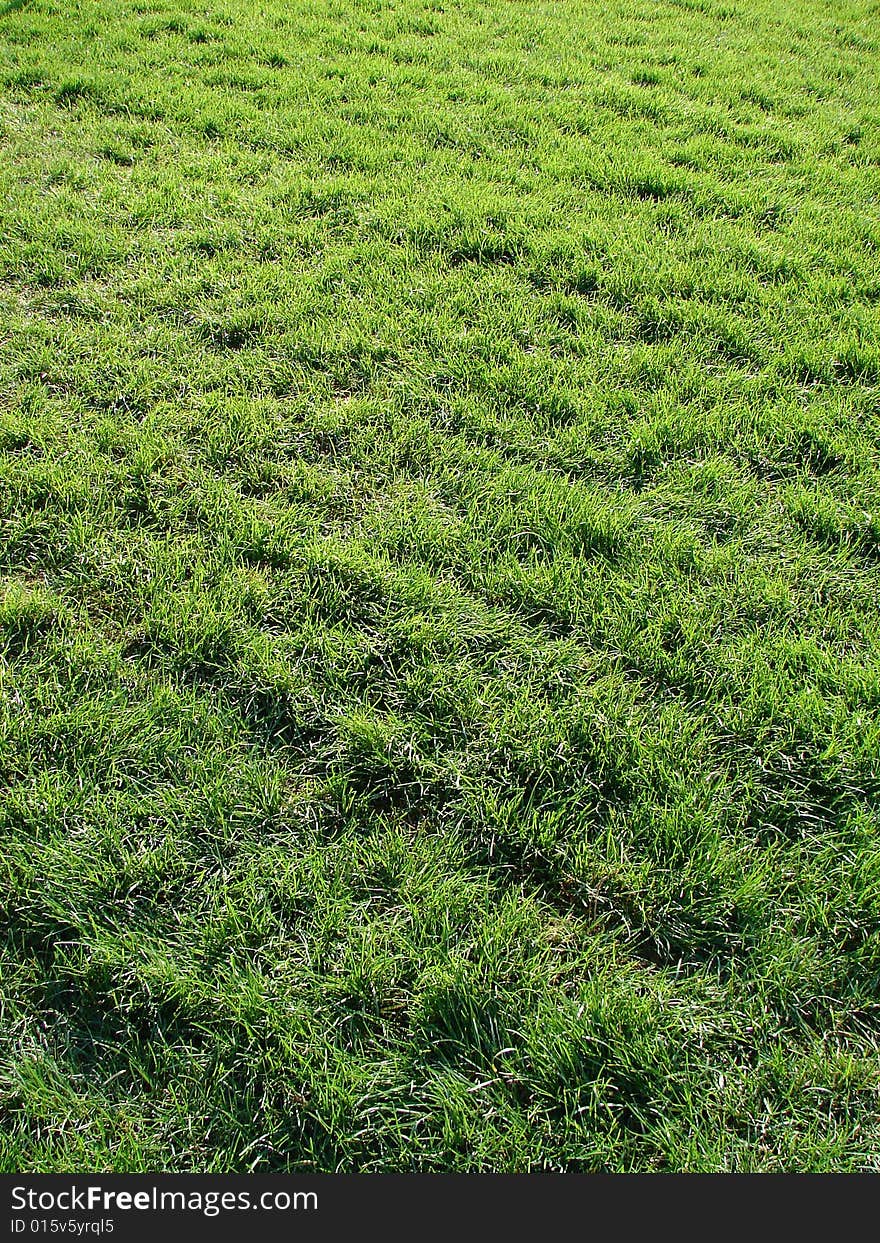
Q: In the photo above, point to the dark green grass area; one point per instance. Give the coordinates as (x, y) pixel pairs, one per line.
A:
(440, 558)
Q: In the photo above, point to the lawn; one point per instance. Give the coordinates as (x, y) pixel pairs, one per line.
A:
(440, 585)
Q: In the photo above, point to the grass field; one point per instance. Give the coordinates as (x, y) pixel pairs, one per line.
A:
(440, 558)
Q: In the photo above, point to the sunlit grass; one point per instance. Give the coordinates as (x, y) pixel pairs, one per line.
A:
(440, 508)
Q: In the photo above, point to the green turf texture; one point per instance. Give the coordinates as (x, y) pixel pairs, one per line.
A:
(440, 553)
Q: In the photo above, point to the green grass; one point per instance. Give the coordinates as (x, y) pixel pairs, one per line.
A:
(440, 558)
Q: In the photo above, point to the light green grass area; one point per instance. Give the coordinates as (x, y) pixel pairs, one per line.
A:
(440, 598)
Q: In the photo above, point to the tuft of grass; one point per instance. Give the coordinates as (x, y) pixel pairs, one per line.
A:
(439, 643)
